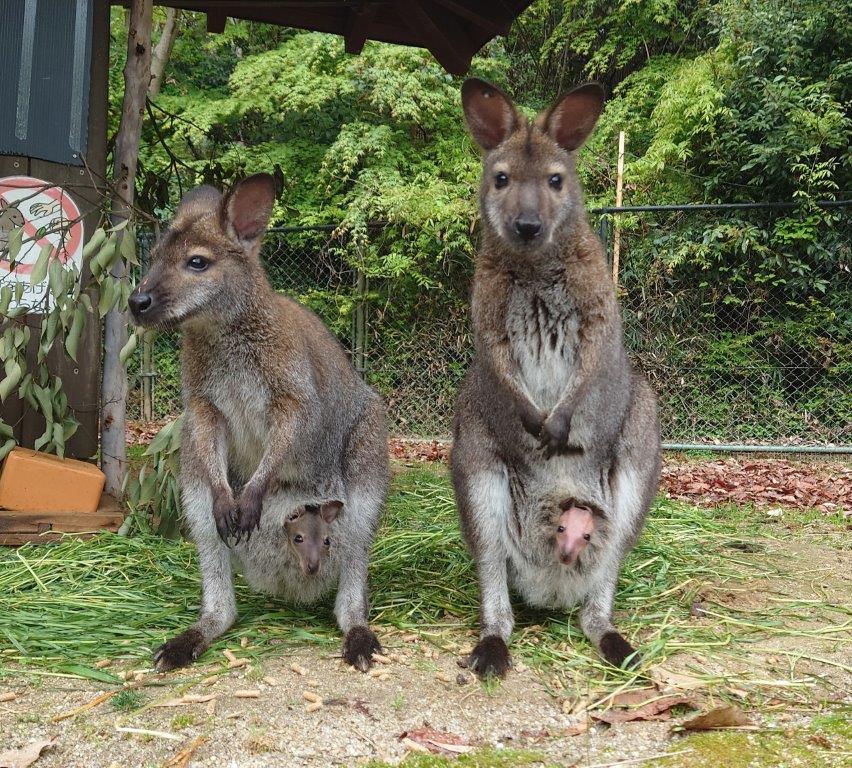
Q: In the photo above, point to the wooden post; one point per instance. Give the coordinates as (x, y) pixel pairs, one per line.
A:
(359, 357)
(137, 74)
(619, 180)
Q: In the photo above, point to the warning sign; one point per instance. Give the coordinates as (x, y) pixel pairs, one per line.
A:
(45, 214)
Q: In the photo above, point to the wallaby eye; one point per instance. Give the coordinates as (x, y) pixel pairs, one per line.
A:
(587, 536)
(500, 180)
(560, 529)
(197, 263)
(298, 538)
(327, 542)
(556, 181)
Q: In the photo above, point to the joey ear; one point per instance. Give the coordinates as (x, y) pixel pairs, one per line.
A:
(198, 201)
(330, 510)
(491, 116)
(571, 119)
(246, 209)
(294, 515)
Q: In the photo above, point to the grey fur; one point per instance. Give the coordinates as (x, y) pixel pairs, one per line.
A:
(550, 407)
(276, 417)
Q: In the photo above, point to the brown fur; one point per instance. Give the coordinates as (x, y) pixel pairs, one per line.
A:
(274, 411)
(550, 407)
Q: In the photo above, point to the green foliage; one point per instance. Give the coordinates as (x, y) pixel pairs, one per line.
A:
(65, 309)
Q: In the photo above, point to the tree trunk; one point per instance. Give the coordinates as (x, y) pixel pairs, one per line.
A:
(163, 51)
(137, 73)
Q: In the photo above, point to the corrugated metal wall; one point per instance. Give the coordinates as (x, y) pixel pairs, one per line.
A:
(46, 47)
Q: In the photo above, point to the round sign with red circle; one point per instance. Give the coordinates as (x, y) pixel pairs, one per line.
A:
(48, 215)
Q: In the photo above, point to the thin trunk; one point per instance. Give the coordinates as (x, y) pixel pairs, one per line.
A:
(137, 73)
(162, 51)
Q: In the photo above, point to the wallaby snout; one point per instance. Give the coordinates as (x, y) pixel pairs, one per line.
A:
(528, 226)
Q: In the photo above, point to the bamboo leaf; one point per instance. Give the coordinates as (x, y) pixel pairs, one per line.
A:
(128, 349)
(7, 447)
(11, 380)
(42, 262)
(73, 338)
(94, 244)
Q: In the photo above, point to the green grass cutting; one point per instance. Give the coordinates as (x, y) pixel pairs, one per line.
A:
(64, 607)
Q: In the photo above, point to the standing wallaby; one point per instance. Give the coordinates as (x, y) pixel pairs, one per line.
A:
(276, 416)
(550, 407)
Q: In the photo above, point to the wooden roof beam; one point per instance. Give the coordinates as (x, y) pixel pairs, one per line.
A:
(357, 27)
(449, 44)
(216, 21)
(482, 15)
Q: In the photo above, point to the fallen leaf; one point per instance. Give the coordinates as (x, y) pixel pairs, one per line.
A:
(653, 710)
(21, 758)
(633, 698)
(437, 742)
(665, 678)
(721, 717)
(576, 730)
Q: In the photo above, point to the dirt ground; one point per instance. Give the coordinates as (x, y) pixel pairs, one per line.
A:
(796, 691)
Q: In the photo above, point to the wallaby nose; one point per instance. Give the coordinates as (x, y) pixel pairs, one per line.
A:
(313, 568)
(139, 303)
(528, 227)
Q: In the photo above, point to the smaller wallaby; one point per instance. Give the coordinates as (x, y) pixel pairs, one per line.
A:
(575, 526)
(309, 534)
(274, 414)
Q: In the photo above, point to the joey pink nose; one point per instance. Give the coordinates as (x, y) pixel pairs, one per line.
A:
(528, 227)
(139, 302)
(313, 568)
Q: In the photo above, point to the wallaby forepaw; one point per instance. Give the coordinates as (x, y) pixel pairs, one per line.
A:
(555, 432)
(490, 657)
(618, 652)
(248, 513)
(225, 515)
(180, 651)
(359, 645)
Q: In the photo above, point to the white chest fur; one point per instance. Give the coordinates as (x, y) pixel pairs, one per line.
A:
(542, 330)
(242, 398)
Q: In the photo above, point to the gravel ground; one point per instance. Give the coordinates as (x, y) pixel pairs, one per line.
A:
(364, 716)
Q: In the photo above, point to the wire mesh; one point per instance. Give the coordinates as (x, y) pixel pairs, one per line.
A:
(737, 353)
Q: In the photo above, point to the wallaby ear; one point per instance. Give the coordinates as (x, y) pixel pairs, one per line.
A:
(246, 209)
(196, 202)
(294, 515)
(491, 116)
(330, 510)
(571, 119)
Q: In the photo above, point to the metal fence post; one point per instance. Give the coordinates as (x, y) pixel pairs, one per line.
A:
(359, 340)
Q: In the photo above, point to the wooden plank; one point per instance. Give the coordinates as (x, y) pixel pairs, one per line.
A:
(66, 522)
(49, 537)
(450, 44)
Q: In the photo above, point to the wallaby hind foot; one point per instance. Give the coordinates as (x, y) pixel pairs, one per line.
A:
(490, 657)
(359, 646)
(618, 652)
(180, 651)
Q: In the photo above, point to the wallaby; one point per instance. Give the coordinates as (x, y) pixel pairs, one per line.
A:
(275, 415)
(550, 407)
(575, 527)
(309, 534)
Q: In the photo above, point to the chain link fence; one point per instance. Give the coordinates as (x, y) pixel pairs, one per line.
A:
(738, 354)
